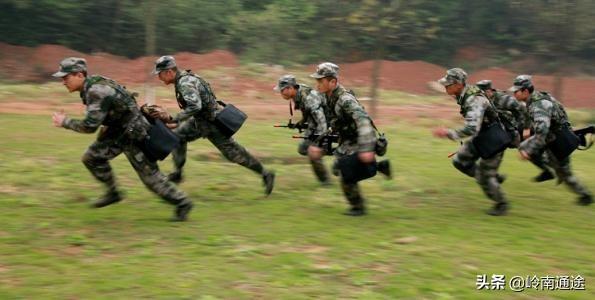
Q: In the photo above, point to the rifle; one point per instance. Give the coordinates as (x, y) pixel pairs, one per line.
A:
(324, 140)
(299, 126)
(582, 137)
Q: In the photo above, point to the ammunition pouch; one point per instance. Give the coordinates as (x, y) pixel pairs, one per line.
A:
(229, 119)
(491, 140)
(381, 145)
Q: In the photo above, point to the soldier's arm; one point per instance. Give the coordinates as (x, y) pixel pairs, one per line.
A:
(189, 90)
(518, 110)
(542, 113)
(366, 137)
(316, 112)
(473, 118)
(98, 104)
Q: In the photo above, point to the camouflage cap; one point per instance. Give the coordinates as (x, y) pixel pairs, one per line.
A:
(521, 82)
(163, 63)
(284, 82)
(484, 84)
(454, 75)
(326, 69)
(71, 65)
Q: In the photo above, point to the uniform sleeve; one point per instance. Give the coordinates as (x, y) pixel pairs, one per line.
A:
(314, 110)
(518, 109)
(98, 104)
(473, 118)
(366, 137)
(189, 89)
(541, 113)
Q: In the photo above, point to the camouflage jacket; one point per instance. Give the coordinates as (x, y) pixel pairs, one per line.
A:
(348, 118)
(511, 111)
(109, 104)
(477, 111)
(195, 97)
(547, 117)
(311, 104)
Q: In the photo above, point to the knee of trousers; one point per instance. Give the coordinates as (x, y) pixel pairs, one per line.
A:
(463, 167)
(90, 161)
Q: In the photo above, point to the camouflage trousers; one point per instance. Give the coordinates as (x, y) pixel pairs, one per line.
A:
(485, 172)
(350, 190)
(317, 164)
(546, 161)
(192, 129)
(97, 158)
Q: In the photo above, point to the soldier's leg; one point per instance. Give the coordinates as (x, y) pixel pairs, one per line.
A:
(354, 197)
(187, 131)
(96, 159)
(541, 161)
(236, 153)
(564, 173)
(487, 178)
(465, 159)
(317, 164)
(157, 182)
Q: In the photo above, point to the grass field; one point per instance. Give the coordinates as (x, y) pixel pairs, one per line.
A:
(426, 236)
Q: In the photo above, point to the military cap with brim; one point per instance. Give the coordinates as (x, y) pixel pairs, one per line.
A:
(71, 65)
(521, 82)
(163, 63)
(484, 84)
(454, 75)
(326, 69)
(284, 82)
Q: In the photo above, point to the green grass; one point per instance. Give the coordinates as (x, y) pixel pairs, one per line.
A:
(294, 244)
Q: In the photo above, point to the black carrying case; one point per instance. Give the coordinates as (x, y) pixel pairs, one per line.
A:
(354, 170)
(491, 140)
(229, 119)
(160, 141)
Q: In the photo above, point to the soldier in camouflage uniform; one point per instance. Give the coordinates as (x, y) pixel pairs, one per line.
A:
(477, 111)
(512, 112)
(199, 107)
(310, 103)
(547, 117)
(124, 128)
(348, 118)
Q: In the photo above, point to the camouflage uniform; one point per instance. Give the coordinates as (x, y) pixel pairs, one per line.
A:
(199, 107)
(547, 117)
(348, 118)
(124, 127)
(512, 113)
(477, 111)
(311, 104)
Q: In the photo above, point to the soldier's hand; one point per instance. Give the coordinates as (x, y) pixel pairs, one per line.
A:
(171, 125)
(526, 134)
(314, 152)
(367, 157)
(440, 132)
(524, 155)
(58, 118)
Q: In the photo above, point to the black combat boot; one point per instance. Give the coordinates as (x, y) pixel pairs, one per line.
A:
(356, 211)
(544, 176)
(175, 177)
(384, 168)
(499, 209)
(111, 197)
(182, 211)
(268, 179)
(585, 200)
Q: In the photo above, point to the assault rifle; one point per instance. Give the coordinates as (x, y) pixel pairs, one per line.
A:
(299, 126)
(324, 140)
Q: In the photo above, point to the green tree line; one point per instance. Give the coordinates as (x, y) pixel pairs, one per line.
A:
(298, 31)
